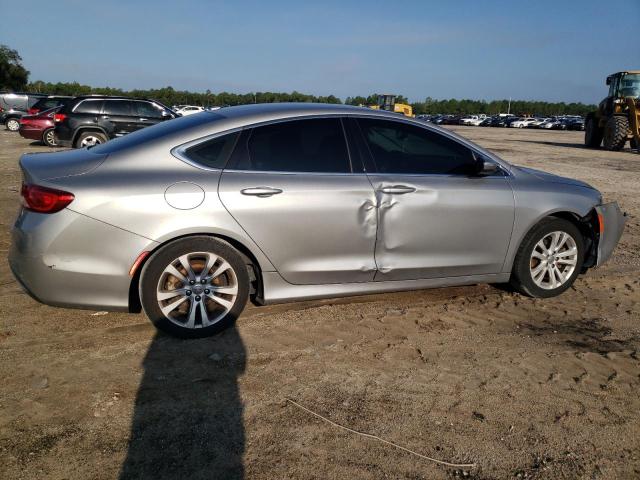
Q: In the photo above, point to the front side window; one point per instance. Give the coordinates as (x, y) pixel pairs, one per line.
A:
(213, 153)
(118, 107)
(148, 110)
(312, 145)
(402, 148)
(89, 106)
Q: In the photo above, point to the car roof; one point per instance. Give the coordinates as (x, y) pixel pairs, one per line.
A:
(266, 111)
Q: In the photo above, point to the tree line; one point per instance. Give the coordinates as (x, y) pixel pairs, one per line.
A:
(14, 77)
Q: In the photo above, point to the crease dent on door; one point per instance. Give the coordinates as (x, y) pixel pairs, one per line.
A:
(389, 240)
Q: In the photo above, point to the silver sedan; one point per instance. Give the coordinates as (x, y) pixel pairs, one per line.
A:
(189, 219)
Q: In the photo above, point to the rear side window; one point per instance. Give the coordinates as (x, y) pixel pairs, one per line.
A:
(213, 153)
(118, 107)
(89, 106)
(402, 148)
(313, 145)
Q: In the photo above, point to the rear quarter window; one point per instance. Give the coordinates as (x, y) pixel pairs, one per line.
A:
(213, 153)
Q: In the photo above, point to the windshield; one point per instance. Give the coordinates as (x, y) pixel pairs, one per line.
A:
(630, 85)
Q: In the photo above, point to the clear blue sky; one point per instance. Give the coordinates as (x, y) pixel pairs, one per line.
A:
(546, 50)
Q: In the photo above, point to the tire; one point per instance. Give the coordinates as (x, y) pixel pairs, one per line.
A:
(89, 139)
(615, 133)
(186, 319)
(13, 124)
(48, 138)
(592, 133)
(527, 268)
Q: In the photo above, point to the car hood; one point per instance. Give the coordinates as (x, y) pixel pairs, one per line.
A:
(550, 177)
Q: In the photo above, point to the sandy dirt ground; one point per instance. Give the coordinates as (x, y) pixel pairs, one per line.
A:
(522, 388)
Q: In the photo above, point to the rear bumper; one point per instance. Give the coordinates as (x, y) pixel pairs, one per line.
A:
(31, 133)
(612, 221)
(70, 260)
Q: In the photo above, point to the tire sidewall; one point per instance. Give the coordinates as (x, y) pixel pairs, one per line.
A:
(521, 269)
(156, 264)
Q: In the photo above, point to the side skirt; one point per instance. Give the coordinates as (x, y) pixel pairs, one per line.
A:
(277, 290)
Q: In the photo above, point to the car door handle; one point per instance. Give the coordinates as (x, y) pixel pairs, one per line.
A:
(144, 119)
(260, 191)
(105, 117)
(397, 189)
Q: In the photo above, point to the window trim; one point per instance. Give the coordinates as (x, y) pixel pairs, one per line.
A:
(99, 100)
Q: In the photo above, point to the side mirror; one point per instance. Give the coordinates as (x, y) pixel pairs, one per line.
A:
(485, 168)
(166, 115)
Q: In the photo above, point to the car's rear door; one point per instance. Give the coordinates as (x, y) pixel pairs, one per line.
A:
(436, 218)
(292, 187)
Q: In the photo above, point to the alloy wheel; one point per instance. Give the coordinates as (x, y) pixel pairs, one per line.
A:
(13, 125)
(90, 141)
(197, 290)
(553, 260)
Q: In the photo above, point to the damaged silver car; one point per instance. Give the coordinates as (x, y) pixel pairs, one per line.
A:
(188, 219)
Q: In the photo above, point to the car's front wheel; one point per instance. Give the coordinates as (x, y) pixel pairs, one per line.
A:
(13, 124)
(194, 287)
(549, 259)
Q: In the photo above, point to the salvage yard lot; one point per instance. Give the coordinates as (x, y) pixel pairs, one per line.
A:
(520, 387)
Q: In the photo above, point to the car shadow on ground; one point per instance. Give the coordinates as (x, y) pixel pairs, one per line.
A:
(187, 420)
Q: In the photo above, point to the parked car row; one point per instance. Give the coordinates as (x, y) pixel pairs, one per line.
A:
(80, 121)
(564, 122)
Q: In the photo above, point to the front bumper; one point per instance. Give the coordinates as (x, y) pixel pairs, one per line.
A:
(612, 221)
(70, 260)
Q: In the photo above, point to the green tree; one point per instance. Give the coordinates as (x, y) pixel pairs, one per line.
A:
(13, 76)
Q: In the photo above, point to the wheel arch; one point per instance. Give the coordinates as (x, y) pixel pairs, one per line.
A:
(253, 266)
(587, 224)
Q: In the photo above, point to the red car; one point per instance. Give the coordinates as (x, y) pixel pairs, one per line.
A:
(39, 127)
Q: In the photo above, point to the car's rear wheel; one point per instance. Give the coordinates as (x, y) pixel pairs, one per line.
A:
(48, 138)
(194, 287)
(549, 259)
(89, 139)
(13, 124)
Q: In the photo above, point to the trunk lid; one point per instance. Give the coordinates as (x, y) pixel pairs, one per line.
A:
(49, 166)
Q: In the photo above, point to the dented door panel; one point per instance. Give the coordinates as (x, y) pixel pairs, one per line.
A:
(444, 226)
(321, 228)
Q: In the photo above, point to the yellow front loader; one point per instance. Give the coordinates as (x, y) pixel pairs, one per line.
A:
(388, 102)
(617, 118)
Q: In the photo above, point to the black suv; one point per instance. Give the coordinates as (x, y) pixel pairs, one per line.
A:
(13, 106)
(90, 120)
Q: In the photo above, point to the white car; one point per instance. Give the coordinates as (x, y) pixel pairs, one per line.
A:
(525, 122)
(189, 110)
(472, 120)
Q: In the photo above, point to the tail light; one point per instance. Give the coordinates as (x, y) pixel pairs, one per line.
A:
(44, 199)
(33, 111)
(59, 117)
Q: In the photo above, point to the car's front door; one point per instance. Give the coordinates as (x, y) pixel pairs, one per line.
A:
(146, 114)
(117, 117)
(291, 186)
(436, 217)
